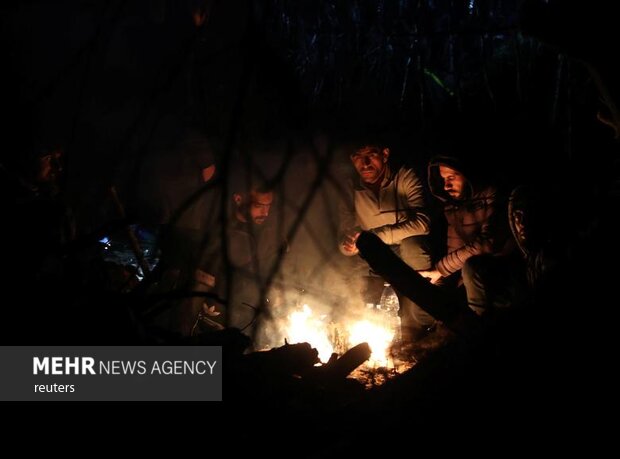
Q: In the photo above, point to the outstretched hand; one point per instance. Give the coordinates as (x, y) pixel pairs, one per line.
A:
(348, 244)
(432, 275)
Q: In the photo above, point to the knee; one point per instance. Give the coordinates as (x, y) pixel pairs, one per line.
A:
(415, 252)
(473, 269)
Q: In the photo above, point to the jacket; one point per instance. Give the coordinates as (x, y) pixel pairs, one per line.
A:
(476, 225)
(396, 214)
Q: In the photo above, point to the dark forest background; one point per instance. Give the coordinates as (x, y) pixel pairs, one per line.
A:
(97, 76)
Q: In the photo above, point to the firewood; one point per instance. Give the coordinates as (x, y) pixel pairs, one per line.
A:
(349, 361)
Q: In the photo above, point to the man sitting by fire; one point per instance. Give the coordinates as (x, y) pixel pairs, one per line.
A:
(388, 201)
(241, 269)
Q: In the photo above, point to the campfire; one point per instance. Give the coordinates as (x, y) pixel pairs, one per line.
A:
(306, 325)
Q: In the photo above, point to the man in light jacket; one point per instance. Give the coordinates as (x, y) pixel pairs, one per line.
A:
(389, 202)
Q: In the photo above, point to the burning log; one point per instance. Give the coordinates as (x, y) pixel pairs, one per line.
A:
(289, 359)
(338, 368)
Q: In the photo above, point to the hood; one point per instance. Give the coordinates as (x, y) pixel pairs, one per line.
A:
(435, 182)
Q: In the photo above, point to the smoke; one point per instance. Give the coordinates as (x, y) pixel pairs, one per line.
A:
(311, 181)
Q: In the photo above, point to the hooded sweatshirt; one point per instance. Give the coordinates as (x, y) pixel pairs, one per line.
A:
(476, 224)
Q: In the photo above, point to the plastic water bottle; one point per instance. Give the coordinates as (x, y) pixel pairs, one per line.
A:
(390, 307)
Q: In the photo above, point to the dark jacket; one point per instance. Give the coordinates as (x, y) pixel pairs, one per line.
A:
(476, 225)
(253, 250)
(242, 269)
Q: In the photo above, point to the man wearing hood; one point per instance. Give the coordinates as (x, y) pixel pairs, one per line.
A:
(476, 231)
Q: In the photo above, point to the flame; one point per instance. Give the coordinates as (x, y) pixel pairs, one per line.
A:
(303, 327)
(378, 338)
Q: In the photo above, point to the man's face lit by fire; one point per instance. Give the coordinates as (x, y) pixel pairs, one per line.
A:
(254, 206)
(453, 182)
(370, 163)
